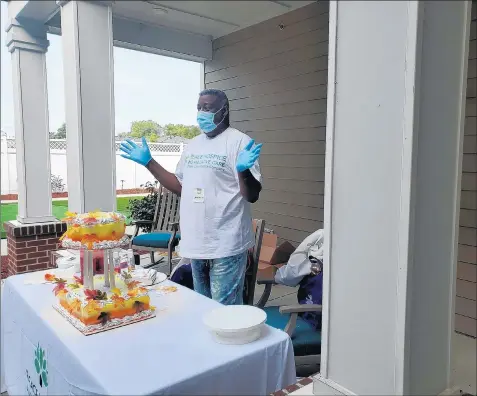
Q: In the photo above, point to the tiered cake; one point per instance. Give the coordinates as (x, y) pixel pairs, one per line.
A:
(102, 308)
(94, 230)
(98, 302)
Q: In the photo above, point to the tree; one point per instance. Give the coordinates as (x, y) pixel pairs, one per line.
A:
(151, 130)
(123, 135)
(180, 130)
(60, 132)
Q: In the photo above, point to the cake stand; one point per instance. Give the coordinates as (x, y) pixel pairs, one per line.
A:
(108, 248)
(87, 274)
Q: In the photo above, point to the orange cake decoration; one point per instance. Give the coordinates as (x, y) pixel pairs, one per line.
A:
(94, 230)
(102, 308)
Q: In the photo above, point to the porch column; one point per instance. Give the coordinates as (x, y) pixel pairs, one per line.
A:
(86, 29)
(397, 78)
(28, 45)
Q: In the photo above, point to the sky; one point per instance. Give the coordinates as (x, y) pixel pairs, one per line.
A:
(146, 86)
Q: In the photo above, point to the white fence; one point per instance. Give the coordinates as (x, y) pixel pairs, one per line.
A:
(128, 173)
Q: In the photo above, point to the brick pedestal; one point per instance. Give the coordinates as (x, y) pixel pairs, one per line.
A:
(29, 245)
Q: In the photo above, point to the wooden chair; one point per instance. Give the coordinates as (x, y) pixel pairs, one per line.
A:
(252, 264)
(164, 235)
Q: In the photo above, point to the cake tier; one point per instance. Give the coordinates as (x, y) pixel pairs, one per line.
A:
(94, 312)
(94, 227)
(93, 244)
(111, 324)
(103, 232)
(101, 305)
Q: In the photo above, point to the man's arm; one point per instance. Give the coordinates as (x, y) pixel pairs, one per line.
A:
(249, 186)
(142, 155)
(165, 178)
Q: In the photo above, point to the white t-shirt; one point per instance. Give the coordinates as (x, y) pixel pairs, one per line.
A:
(215, 219)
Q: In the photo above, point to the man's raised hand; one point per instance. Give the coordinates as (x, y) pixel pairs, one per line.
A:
(248, 156)
(140, 154)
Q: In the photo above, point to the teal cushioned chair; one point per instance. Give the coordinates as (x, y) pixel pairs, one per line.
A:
(305, 338)
(158, 240)
(165, 235)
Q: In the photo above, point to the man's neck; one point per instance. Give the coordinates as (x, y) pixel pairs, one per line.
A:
(221, 128)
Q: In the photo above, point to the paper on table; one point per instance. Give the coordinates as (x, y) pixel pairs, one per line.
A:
(148, 277)
(161, 290)
(67, 253)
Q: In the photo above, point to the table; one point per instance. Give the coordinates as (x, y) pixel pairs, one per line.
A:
(172, 353)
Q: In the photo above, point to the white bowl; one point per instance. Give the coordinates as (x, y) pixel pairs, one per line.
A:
(235, 324)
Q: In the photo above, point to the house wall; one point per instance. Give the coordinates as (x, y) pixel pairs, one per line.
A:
(275, 80)
(466, 306)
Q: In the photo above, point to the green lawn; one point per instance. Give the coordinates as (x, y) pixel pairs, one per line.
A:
(9, 211)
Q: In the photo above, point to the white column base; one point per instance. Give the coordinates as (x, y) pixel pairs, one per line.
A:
(454, 391)
(35, 220)
(326, 387)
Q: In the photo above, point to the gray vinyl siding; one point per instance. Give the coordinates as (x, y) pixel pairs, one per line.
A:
(466, 288)
(276, 83)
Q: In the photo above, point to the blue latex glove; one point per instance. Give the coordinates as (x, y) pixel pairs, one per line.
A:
(133, 152)
(248, 156)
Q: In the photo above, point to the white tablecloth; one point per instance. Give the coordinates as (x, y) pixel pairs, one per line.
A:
(172, 353)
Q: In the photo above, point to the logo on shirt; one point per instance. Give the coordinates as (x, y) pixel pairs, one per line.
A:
(213, 161)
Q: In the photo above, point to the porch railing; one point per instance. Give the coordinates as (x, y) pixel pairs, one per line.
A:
(128, 173)
(60, 144)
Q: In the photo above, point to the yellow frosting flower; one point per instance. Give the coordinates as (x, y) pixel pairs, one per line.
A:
(75, 305)
(133, 292)
(118, 301)
(95, 214)
(115, 217)
(116, 291)
(69, 216)
(92, 307)
(89, 239)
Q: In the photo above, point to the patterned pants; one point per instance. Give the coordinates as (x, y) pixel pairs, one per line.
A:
(221, 279)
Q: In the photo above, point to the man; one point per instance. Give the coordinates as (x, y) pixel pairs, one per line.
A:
(217, 177)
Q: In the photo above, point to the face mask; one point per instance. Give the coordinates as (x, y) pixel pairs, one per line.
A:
(206, 122)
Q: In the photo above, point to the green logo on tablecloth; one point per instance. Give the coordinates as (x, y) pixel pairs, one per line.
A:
(41, 366)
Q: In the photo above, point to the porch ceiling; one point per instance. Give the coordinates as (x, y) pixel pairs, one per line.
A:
(209, 18)
(214, 18)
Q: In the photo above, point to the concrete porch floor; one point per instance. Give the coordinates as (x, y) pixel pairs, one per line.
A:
(464, 367)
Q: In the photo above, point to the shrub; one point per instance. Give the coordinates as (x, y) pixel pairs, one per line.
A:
(144, 208)
(57, 184)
